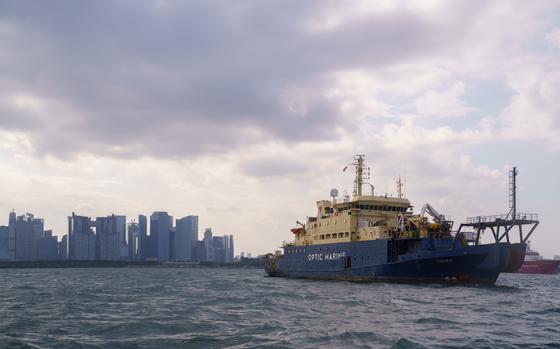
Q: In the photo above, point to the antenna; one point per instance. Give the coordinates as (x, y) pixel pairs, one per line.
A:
(399, 188)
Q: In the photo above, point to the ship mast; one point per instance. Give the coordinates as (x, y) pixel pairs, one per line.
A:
(359, 181)
(513, 193)
(361, 175)
(399, 188)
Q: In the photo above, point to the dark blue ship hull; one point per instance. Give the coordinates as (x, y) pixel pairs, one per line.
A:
(411, 260)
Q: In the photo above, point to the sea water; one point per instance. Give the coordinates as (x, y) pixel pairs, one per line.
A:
(242, 308)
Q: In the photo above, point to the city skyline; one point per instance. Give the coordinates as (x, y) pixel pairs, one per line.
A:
(111, 238)
(245, 112)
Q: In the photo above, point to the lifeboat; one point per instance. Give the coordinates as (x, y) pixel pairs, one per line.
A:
(297, 231)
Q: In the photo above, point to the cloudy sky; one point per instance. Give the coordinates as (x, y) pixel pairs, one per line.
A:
(245, 112)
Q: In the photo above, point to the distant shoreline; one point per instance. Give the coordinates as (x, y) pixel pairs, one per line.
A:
(257, 264)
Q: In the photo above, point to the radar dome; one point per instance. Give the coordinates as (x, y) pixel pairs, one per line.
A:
(334, 192)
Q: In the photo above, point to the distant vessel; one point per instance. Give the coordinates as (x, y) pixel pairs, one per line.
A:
(372, 237)
(535, 264)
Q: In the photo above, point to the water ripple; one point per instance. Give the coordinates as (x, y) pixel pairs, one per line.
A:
(229, 308)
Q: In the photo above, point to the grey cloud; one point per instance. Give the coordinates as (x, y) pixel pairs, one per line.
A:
(186, 78)
(272, 167)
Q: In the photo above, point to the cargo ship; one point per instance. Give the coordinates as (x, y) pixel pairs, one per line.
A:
(535, 264)
(379, 237)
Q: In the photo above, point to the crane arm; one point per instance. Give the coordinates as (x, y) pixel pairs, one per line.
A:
(438, 218)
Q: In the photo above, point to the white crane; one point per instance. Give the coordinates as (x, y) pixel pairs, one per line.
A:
(438, 218)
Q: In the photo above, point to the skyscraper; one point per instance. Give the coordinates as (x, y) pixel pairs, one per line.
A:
(28, 234)
(186, 234)
(121, 231)
(12, 236)
(107, 238)
(143, 226)
(231, 249)
(208, 244)
(81, 240)
(4, 243)
(63, 247)
(228, 248)
(37, 236)
(218, 249)
(48, 247)
(160, 225)
(121, 228)
(134, 242)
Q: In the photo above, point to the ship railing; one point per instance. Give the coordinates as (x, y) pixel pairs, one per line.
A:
(503, 217)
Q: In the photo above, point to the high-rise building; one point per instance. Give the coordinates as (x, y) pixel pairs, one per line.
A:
(107, 238)
(160, 226)
(208, 244)
(218, 249)
(4, 243)
(12, 236)
(28, 234)
(228, 248)
(186, 234)
(63, 247)
(48, 247)
(134, 242)
(192, 222)
(121, 228)
(225, 239)
(172, 244)
(199, 251)
(231, 249)
(38, 234)
(143, 246)
(81, 239)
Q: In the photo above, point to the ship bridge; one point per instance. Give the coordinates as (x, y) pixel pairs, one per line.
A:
(373, 203)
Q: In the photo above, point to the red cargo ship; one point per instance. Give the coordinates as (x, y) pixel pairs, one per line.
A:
(535, 264)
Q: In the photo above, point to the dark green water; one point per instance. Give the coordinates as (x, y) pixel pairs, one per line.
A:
(237, 308)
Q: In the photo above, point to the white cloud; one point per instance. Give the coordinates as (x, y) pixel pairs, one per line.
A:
(534, 111)
(553, 38)
(447, 102)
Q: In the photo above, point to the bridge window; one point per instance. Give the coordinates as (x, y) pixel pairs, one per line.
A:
(340, 235)
(346, 234)
(322, 237)
(327, 236)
